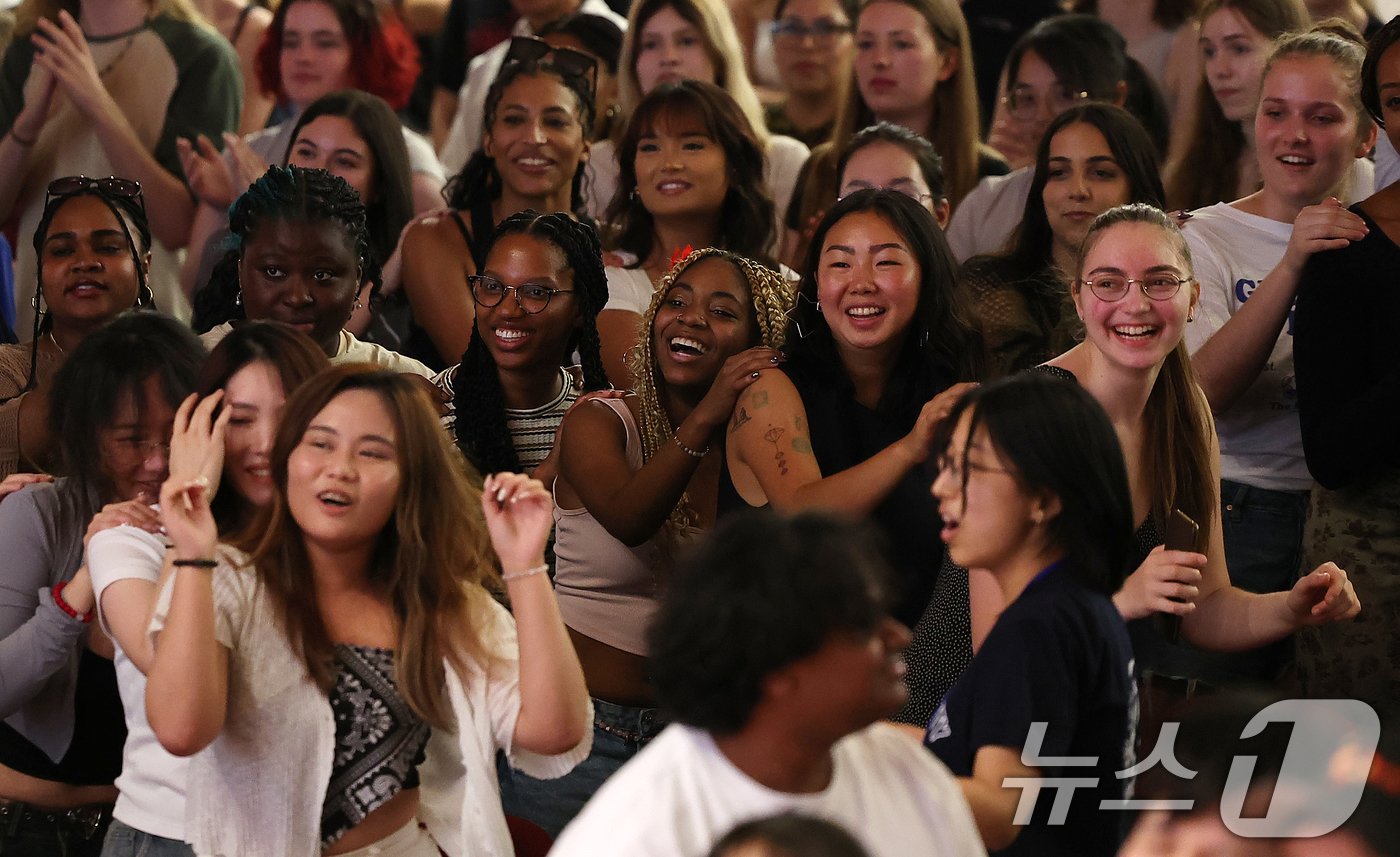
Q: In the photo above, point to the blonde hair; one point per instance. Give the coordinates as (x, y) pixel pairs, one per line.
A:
(771, 297)
(1336, 40)
(30, 11)
(956, 117)
(711, 19)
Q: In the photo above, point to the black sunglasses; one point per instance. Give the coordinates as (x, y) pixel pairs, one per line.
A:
(110, 186)
(566, 61)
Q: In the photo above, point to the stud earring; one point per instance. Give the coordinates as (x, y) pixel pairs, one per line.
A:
(1037, 517)
(238, 298)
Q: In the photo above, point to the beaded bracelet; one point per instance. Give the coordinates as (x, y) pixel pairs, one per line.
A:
(693, 453)
(529, 572)
(85, 618)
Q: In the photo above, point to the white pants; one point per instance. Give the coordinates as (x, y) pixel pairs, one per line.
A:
(408, 841)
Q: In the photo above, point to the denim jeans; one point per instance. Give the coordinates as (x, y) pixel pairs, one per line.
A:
(1263, 533)
(619, 733)
(126, 841)
(26, 836)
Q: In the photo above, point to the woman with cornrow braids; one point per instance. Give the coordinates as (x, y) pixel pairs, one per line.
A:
(301, 256)
(537, 298)
(638, 478)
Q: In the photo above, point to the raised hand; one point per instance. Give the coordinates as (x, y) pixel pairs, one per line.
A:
(30, 121)
(519, 515)
(62, 51)
(1166, 582)
(1325, 595)
(197, 440)
(919, 441)
(737, 373)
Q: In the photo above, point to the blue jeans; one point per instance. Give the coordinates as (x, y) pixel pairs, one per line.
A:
(619, 733)
(1263, 533)
(126, 841)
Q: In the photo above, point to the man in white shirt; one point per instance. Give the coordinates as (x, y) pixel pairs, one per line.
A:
(775, 651)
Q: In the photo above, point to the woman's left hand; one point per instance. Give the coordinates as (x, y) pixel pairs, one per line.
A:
(1324, 596)
(519, 515)
(197, 440)
(63, 52)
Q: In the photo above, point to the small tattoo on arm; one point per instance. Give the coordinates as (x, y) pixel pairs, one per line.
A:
(802, 445)
(773, 435)
(741, 418)
(760, 399)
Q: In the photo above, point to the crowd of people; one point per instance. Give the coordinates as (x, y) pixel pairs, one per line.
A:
(676, 428)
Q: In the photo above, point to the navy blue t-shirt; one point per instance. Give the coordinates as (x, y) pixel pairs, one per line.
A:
(1059, 654)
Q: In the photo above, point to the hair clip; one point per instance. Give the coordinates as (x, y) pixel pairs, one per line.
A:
(680, 254)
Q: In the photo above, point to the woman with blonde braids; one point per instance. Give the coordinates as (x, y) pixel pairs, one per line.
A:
(637, 477)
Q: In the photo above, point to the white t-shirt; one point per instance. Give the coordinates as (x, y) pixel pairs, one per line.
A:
(988, 216)
(1261, 442)
(628, 289)
(152, 781)
(349, 350)
(681, 794)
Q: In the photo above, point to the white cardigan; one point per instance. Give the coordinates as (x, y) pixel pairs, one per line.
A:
(258, 789)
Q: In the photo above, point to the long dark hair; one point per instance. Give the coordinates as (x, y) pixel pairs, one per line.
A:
(942, 345)
(480, 429)
(284, 193)
(1057, 441)
(746, 216)
(111, 365)
(1088, 55)
(292, 355)
(479, 179)
(1176, 418)
(1031, 251)
(391, 205)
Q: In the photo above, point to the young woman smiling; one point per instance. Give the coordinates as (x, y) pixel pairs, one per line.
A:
(696, 172)
(532, 155)
(1092, 157)
(93, 245)
(361, 591)
(1311, 136)
(1213, 157)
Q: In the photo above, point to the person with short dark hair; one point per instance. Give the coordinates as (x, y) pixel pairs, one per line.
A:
(775, 651)
(790, 834)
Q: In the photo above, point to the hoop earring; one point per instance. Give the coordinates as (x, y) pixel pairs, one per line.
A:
(146, 298)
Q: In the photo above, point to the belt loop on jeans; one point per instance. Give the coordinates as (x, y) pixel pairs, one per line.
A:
(1234, 506)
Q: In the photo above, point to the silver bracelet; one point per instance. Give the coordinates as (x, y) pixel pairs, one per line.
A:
(693, 453)
(529, 572)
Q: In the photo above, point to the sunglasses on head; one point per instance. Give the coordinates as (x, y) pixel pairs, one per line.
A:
(110, 186)
(566, 60)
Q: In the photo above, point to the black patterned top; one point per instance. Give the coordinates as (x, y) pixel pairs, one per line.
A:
(379, 740)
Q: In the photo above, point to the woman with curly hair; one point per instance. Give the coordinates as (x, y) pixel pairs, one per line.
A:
(637, 479)
(537, 298)
(694, 173)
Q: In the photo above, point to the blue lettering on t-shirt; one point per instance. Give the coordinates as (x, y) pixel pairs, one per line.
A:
(1244, 288)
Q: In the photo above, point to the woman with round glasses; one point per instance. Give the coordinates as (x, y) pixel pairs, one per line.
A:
(813, 45)
(1135, 292)
(61, 740)
(93, 244)
(1092, 157)
(537, 298)
(531, 156)
(1311, 134)
(1062, 62)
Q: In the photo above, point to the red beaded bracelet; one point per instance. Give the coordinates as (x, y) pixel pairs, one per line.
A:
(85, 618)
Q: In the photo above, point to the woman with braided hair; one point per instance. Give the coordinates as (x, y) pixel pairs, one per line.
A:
(636, 480)
(537, 298)
(301, 256)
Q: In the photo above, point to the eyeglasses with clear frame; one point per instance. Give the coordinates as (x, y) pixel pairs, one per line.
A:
(1114, 287)
(823, 30)
(922, 197)
(953, 466)
(532, 298)
(1024, 103)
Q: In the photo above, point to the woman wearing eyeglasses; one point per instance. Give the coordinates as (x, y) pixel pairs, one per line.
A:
(1062, 62)
(537, 298)
(813, 44)
(531, 156)
(61, 740)
(891, 157)
(1136, 293)
(1092, 157)
(93, 245)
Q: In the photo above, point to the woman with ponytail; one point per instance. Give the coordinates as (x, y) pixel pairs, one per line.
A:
(537, 299)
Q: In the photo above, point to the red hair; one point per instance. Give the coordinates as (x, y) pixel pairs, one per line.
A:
(383, 55)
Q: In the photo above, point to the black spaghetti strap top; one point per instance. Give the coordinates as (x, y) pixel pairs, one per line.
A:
(238, 25)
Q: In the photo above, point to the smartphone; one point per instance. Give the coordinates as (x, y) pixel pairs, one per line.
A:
(1181, 535)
